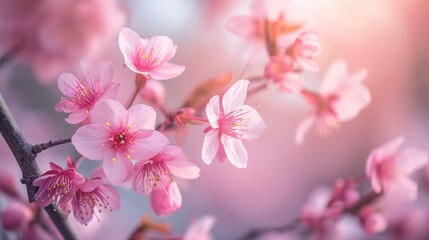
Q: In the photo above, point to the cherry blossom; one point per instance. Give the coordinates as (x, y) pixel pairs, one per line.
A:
(93, 197)
(116, 136)
(149, 56)
(56, 185)
(166, 199)
(230, 123)
(159, 170)
(389, 168)
(281, 70)
(16, 216)
(372, 221)
(84, 91)
(340, 98)
(305, 49)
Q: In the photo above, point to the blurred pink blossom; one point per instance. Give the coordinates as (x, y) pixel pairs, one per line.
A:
(158, 171)
(344, 194)
(8, 183)
(389, 168)
(200, 229)
(116, 136)
(16, 216)
(83, 92)
(149, 56)
(166, 200)
(281, 70)
(372, 221)
(36, 232)
(54, 36)
(230, 123)
(340, 98)
(305, 49)
(154, 92)
(56, 186)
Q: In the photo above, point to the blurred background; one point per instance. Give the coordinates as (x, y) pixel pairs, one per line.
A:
(388, 38)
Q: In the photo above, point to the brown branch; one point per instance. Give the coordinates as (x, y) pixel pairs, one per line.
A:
(26, 158)
(43, 146)
(255, 233)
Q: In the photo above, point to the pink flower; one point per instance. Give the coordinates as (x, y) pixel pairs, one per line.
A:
(93, 197)
(389, 168)
(153, 92)
(280, 69)
(159, 170)
(56, 186)
(305, 49)
(8, 184)
(116, 136)
(53, 36)
(149, 56)
(341, 97)
(230, 123)
(372, 221)
(83, 92)
(166, 200)
(200, 229)
(344, 194)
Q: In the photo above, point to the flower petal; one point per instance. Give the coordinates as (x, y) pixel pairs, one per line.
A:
(112, 195)
(212, 111)
(303, 129)
(88, 140)
(108, 111)
(410, 160)
(243, 26)
(235, 151)
(166, 71)
(210, 146)
(178, 164)
(128, 42)
(66, 106)
(235, 96)
(141, 116)
(255, 126)
(77, 116)
(116, 168)
(334, 77)
(148, 146)
(68, 83)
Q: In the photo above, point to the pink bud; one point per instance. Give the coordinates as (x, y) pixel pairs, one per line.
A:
(166, 200)
(372, 221)
(16, 216)
(35, 232)
(8, 184)
(153, 92)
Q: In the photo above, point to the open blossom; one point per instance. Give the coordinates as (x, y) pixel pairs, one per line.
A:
(200, 229)
(116, 136)
(230, 123)
(166, 199)
(389, 168)
(340, 98)
(56, 186)
(149, 56)
(93, 197)
(53, 35)
(84, 91)
(159, 170)
(305, 49)
(281, 70)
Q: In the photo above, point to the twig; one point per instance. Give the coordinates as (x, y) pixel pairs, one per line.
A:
(254, 233)
(26, 156)
(43, 146)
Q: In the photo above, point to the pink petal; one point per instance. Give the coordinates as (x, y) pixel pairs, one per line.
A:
(88, 140)
(67, 83)
(112, 195)
(108, 111)
(210, 146)
(141, 116)
(116, 168)
(65, 106)
(308, 64)
(165, 201)
(179, 165)
(110, 90)
(147, 147)
(235, 96)
(105, 72)
(90, 185)
(375, 182)
(55, 166)
(212, 111)
(410, 160)
(166, 71)
(170, 54)
(303, 129)
(200, 229)
(128, 42)
(255, 126)
(243, 26)
(385, 151)
(77, 116)
(403, 189)
(235, 151)
(160, 47)
(334, 77)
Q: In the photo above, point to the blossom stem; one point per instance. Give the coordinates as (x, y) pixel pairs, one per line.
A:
(140, 81)
(25, 157)
(363, 201)
(43, 146)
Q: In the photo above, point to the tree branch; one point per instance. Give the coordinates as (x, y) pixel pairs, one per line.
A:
(25, 155)
(43, 146)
